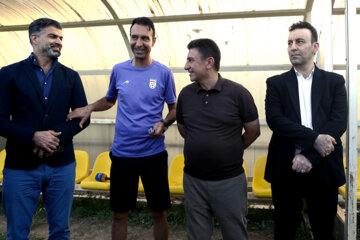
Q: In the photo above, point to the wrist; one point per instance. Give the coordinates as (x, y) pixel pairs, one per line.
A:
(91, 107)
(34, 136)
(165, 125)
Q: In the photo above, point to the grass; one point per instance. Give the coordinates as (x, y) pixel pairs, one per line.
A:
(39, 218)
(99, 208)
(262, 219)
(258, 219)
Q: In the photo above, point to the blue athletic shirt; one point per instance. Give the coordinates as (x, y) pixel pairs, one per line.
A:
(141, 94)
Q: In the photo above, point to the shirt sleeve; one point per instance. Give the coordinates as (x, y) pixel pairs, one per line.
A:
(170, 91)
(247, 108)
(179, 115)
(112, 91)
(10, 128)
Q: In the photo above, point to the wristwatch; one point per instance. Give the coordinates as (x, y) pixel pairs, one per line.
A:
(165, 126)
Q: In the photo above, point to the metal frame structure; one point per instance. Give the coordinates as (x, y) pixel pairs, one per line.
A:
(351, 134)
(235, 68)
(351, 68)
(116, 21)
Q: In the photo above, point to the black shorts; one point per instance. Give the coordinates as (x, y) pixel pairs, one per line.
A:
(124, 182)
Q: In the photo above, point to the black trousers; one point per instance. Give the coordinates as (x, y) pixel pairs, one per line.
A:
(288, 198)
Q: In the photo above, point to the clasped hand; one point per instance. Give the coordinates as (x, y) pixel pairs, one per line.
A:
(324, 144)
(301, 164)
(46, 142)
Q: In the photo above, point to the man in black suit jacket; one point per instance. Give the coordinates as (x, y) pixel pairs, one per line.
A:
(36, 94)
(306, 109)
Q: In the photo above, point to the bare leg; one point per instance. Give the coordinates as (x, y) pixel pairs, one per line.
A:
(119, 226)
(161, 231)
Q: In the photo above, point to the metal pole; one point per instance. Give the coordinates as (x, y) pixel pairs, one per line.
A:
(327, 43)
(322, 20)
(351, 135)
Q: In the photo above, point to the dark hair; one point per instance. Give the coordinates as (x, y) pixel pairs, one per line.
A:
(300, 24)
(145, 22)
(39, 24)
(207, 48)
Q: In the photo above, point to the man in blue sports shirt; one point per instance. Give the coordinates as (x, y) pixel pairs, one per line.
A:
(141, 86)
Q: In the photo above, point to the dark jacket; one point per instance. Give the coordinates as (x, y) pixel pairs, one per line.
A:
(23, 112)
(329, 116)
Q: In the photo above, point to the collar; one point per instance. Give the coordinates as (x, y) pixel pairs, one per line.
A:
(218, 86)
(310, 75)
(32, 59)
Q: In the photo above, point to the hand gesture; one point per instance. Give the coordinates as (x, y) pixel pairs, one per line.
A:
(82, 113)
(47, 141)
(41, 153)
(157, 130)
(324, 144)
(301, 164)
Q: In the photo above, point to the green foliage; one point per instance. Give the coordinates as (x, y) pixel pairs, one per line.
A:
(99, 208)
(2, 236)
(176, 215)
(90, 207)
(141, 215)
(263, 219)
(39, 218)
(260, 219)
(39, 215)
(303, 232)
(95, 208)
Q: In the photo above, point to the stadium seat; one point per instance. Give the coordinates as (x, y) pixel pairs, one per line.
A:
(141, 187)
(82, 165)
(176, 174)
(245, 169)
(2, 162)
(260, 187)
(102, 164)
(342, 189)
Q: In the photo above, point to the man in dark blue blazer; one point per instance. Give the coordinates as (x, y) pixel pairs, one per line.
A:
(306, 108)
(36, 94)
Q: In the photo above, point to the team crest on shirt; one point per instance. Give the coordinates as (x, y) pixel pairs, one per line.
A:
(152, 83)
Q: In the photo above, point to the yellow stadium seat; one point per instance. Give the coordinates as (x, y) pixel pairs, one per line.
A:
(260, 187)
(2, 162)
(82, 165)
(141, 187)
(176, 174)
(245, 169)
(342, 189)
(102, 164)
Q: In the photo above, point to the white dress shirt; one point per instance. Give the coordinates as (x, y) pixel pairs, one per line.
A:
(304, 87)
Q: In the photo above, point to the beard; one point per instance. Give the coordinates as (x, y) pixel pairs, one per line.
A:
(51, 53)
